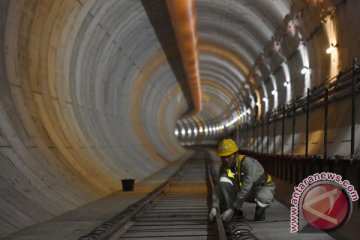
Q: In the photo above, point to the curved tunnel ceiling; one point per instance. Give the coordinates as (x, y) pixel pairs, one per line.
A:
(94, 91)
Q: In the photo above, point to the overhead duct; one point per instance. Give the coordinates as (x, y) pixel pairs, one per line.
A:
(183, 18)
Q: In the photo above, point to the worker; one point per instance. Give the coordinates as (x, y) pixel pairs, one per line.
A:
(241, 178)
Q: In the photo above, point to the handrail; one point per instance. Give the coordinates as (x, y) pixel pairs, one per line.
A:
(338, 89)
(294, 168)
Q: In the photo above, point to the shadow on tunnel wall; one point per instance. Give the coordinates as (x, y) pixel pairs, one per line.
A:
(159, 18)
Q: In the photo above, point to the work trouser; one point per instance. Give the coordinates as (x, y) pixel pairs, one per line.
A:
(262, 195)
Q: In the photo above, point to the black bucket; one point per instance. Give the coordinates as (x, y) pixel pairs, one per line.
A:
(128, 185)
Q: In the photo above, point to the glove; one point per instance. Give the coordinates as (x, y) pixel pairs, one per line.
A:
(212, 214)
(227, 215)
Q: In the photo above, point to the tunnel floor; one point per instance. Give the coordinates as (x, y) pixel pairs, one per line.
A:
(81, 221)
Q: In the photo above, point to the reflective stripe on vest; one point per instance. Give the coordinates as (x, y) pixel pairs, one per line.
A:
(268, 179)
(230, 174)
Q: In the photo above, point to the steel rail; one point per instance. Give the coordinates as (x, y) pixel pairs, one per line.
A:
(152, 206)
(219, 224)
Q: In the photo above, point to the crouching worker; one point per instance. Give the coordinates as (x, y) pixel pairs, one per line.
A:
(241, 178)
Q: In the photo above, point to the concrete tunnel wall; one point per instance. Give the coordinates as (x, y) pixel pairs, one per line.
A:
(85, 102)
(89, 96)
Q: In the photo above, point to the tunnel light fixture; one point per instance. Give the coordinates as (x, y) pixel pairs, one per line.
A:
(332, 48)
(200, 129)
(183, 132)
(176, 132)
(206, 130)
(304, 70)
(231, 122)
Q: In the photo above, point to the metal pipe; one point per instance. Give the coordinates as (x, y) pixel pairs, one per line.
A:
(268, 135)
(254, 136)
(183, 18)
(283, 131)
(247, 136)
(293, 129)
(257, 136)
(307, 123)
(262, 135)
(274, 147)
(326, 101)
(353, 108)
(244, 138)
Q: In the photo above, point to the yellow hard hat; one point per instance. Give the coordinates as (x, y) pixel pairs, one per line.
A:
(227, 147)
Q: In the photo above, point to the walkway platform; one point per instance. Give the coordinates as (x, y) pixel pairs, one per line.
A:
(277, 224)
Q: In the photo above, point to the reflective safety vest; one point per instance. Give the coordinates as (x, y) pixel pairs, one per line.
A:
(236, 176)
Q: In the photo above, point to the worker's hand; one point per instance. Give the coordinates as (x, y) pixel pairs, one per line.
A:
(212, 214)
(227, 215)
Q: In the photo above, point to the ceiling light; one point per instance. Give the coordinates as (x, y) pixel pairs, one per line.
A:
(182, 132)
(265, 99)
(304, 70)
(332, 48)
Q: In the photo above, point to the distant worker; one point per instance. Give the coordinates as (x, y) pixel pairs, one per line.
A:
(241, 178)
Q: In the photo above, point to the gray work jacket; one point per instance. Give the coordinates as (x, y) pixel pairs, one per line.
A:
(248, 173)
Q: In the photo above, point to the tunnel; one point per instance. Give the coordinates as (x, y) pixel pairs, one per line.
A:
(93, 92)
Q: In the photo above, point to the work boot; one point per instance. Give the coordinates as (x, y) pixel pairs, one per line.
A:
(259, 213)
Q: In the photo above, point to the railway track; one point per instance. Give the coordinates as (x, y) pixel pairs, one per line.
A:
(176, 210)
(179, 209)
(181, 213)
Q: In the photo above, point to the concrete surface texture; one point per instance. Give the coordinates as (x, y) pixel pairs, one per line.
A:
(94, 91)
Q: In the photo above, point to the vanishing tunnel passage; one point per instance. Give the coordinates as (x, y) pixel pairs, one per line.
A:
(96, 91)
